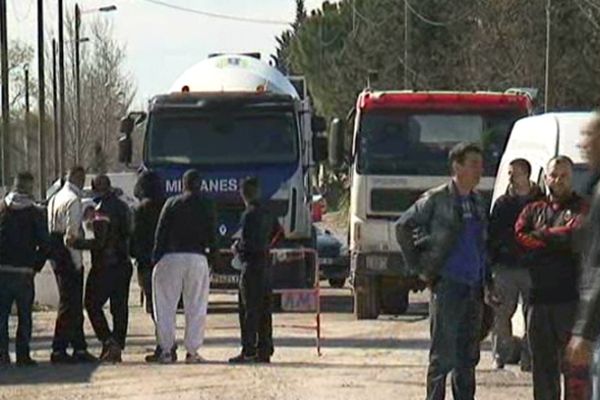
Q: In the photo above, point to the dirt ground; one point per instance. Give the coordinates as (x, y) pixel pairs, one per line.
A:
(386, 358)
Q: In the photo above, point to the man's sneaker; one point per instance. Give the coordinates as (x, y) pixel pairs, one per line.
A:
(4, 359)
(61, 357)
(166, 358)
(84, 357)
(263, 359)
(243, 359)
(155, 357)
(26, 362)
(194, 359)
(498, 363)
(112, 353)
(525, 366)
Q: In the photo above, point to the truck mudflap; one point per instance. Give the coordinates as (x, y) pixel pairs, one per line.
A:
(291, 268)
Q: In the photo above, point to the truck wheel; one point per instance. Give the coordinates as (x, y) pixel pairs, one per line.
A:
(337, 283)
(394, 301)
(366, 297)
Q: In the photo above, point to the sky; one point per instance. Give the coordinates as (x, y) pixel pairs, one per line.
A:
(162, 42)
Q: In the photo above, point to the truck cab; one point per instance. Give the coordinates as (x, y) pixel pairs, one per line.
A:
(230, 117)
(398, 149)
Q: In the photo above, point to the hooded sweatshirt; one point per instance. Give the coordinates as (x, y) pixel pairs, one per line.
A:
(24, 241)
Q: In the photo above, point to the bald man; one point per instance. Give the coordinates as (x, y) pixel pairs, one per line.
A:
(545, 229)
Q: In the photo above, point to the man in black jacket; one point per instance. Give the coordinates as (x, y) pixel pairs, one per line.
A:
(259, 229)
(185, 244)
(110, 275)
(587, 325)
(150, 191)
(24, 246)
(545, 230)
(511, 278)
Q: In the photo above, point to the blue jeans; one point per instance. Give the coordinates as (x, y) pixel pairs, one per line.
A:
(455, 316)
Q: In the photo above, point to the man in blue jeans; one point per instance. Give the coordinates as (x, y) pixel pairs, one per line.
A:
(443, 238)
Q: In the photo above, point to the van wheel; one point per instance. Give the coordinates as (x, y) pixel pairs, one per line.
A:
(366, 297)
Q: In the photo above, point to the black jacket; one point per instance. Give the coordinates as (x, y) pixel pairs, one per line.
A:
(24, 238)
(545, 230)
(588, 320)
(502, 245)
(145, 220)
(114, 249)
(187, 224)
(259, 230)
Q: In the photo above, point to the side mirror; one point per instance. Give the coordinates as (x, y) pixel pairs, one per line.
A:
(125, 149)
(320, 148)
(336, 143)
(318, 124)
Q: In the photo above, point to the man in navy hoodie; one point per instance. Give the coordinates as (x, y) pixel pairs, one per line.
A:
(24, 246)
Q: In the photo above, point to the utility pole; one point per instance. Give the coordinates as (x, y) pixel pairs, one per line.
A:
(5, 142)
(56, 134)
(547, 67)
(41, 103)
(61, 89)
(27, 118)
(406, 42)
(77, 85)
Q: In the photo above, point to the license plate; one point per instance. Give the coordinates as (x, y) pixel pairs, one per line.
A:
(225, 279)
(377, 263)
(326, 261)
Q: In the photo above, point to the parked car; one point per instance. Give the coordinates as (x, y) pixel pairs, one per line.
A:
(334, 259)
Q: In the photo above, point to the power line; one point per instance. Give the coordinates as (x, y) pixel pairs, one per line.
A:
(436, 23)
(220, 16)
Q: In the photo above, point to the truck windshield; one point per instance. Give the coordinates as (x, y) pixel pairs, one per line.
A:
(403, 143)
(192, 138)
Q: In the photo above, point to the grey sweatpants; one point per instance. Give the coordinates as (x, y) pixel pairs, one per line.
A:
(178, 273)
(511, 283)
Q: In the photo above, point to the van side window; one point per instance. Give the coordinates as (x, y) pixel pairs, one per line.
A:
(541, 181)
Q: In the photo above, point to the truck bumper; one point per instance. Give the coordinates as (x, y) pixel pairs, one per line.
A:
(334, 268)
(387, 264)
(291, 272)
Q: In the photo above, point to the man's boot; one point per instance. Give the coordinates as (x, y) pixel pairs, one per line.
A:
(113, 352)
(4, 359)
(155, 357)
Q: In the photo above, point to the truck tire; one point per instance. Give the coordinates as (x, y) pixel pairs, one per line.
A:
(366, 297)
(337, 283)
(394, 301)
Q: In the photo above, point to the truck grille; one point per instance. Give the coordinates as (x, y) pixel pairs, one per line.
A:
(393, 200)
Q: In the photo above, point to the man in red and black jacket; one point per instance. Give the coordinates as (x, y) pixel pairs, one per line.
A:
(545, 231)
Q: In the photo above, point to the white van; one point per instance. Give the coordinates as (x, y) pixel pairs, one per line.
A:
(539, 138)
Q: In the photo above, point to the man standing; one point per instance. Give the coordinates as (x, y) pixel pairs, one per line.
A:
(185, 238)
(587, 326)
(24, 246)
(511, 278)
(545, 229)
(110, 275)
(259, 229)
(443, 239)
(150, 191)
(65, 226)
